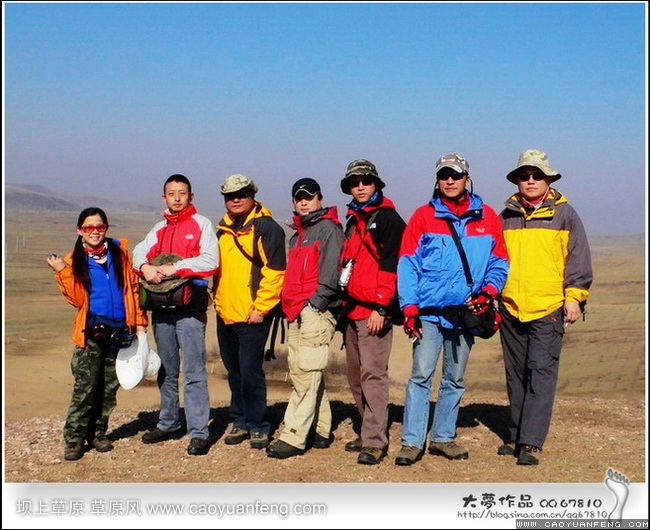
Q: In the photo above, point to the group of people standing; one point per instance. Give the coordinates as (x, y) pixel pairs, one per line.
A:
(363, 277)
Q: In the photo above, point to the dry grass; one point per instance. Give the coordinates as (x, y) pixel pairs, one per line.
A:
(599, 419)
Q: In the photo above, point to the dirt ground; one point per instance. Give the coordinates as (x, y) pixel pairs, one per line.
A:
(588, 435)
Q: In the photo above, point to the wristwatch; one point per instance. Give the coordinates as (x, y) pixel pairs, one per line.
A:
(382, 311)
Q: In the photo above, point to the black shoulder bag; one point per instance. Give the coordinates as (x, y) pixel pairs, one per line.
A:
(484, 325)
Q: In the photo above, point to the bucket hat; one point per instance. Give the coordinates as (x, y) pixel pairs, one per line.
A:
(237, 182)
(360, 168)
(168, 283)
(535, 158)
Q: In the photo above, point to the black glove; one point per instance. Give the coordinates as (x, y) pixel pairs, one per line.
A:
(480, 302)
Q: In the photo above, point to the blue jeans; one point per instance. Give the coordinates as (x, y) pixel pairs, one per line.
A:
(242, 352)
(456, 348)
(186, 333)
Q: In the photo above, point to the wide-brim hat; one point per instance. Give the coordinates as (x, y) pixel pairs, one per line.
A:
(361, 168)
(534, 158)
(128, 365)
(152, 365)
(136, 362)
(169, 283)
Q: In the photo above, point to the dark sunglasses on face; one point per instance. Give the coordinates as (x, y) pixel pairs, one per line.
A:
(525, 177)
(89, 229)
(236, 195)
(368, 181)
(454, 175)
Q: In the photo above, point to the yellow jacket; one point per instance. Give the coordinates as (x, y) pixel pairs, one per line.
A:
(251, 282)
(550, 260)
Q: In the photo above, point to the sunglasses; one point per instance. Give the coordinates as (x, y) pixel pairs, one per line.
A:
(524, 177)
(89, 229)
(369, 181)
(455, 175)
(236, 195)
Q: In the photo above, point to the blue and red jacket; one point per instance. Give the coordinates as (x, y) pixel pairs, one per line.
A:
(430, 272)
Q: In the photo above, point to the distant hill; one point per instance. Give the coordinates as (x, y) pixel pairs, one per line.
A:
(35, 197)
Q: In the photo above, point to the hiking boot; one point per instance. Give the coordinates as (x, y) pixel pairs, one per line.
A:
(449, 450)
(158, 435)
(371, 455)
(408, 455)
(509, 449)
(73, 450)
(321, 442)
(527, 455)
(102, 444)
(198, 446)
(282, 450)
(259, 440)
(354, 446)
(236, 436)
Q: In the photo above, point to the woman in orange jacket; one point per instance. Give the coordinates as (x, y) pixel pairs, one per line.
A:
(98, 279)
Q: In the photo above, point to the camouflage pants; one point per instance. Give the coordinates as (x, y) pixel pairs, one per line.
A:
(94, 395)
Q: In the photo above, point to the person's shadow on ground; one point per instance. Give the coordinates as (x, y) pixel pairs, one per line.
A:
(494, 417)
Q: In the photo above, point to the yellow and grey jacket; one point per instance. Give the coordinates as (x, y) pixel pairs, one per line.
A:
(550, 260)
(252, 263)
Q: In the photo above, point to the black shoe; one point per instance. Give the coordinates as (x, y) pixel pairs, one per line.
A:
(281, 450)
(371, 456)
(102, 444)
(527, 455)
(158, 435)
(73, 450)
(198, 446)
(321, 442)
(354, 446)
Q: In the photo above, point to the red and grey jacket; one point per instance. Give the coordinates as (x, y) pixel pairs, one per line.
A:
(314, 252)
(374, 247)
(187, 234)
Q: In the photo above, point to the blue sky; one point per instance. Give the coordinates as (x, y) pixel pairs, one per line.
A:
(113, 98)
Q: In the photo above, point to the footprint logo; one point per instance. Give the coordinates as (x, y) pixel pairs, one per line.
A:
(617, 483)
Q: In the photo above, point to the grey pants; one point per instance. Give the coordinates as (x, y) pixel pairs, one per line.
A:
(531, 354)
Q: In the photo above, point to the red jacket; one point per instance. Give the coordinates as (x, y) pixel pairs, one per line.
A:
(375, 251)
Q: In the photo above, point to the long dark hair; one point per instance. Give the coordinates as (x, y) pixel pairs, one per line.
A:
(80, 258)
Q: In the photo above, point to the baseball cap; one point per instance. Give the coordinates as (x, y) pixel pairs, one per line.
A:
(361, 167)
(453, 161)
(535, 158)
(306, 185)
(237, 182)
